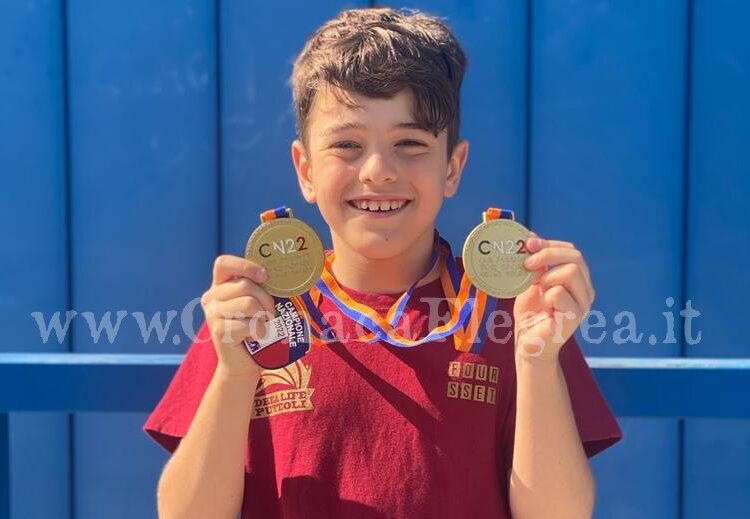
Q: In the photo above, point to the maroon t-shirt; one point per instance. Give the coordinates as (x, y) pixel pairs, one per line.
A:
(373, 431)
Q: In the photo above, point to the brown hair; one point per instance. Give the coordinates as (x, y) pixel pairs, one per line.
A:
(377, 52)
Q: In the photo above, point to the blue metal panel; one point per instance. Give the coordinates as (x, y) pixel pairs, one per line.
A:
(493, 109)
(719, 190)
(717, 456)
(618, 470)
(144, 221)
(716, 475)
(33, 434)
(257, 120)
(606, 172)
(33, 224)
(32, 161)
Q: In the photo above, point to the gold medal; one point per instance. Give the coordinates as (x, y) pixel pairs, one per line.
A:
(493, 258)
(291, 253)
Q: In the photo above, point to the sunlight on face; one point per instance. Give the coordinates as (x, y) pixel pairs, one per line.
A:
(378, 179)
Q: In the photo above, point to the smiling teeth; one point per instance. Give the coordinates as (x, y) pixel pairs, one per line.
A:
(384, 205)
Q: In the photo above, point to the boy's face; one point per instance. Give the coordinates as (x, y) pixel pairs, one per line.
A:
(378, 180)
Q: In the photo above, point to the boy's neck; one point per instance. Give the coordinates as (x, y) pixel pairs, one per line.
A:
(384, 276)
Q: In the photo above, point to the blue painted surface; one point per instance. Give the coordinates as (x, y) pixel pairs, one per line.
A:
(142, 89)
(620, 126)
(33, 226)
(717, 456)
(606, 136)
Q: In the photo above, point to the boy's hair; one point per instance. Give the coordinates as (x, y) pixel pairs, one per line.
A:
(377, 52)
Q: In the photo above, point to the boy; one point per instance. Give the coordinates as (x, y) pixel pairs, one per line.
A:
(371, 430)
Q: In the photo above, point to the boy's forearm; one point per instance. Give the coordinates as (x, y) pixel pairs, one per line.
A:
(550, 475)
(206, 475)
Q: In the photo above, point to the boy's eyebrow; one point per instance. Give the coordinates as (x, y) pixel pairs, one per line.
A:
(409, 125)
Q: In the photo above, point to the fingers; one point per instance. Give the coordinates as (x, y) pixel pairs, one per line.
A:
(559, 299)
(550, 253)
(234, 331)
(547, 243)
(546, 255)
(569, 276)
(240, 287)
(237, 319)
(236, 307)
(239, 308)
(551, 256)
(235, 290)
(227, 267)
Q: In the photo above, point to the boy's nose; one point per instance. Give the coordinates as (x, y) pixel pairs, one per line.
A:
(377, 170)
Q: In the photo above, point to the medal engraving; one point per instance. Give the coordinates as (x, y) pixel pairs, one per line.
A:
(493, 257)
(290, 251)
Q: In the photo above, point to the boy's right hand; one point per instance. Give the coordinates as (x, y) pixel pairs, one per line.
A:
(236, 308)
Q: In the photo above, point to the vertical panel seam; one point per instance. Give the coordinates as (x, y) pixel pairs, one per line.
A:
(685, 216)
(527, 115)
(67, 175)
(217, 122)
(67, 188)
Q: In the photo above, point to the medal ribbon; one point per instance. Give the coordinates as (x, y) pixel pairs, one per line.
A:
(396, 310)
(321, 331)
(468, 305)
(465, 301)
(459, 291)
(380, 326)
(476, 330)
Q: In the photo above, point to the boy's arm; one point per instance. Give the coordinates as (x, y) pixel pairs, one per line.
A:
(205, 476)
(550, 476)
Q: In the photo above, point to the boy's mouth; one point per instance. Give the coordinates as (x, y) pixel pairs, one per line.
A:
(379, 206)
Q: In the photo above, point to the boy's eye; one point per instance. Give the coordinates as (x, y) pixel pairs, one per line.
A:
(410, 143)
(350, 145)
(345, 145)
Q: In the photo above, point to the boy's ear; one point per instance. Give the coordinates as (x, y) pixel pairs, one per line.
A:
(302, 166)
(456, 167)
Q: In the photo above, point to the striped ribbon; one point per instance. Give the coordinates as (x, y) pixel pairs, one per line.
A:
(320, 331)
(469, 306)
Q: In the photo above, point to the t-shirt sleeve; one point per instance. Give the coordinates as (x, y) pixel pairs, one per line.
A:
(170, 419)
(597, 426)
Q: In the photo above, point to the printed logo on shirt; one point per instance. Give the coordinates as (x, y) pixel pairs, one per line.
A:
(290, 391)
(473, 381)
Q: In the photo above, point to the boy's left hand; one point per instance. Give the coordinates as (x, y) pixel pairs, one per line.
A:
(550, 310)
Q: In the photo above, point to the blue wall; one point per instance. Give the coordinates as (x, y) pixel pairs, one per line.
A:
(140, 139)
